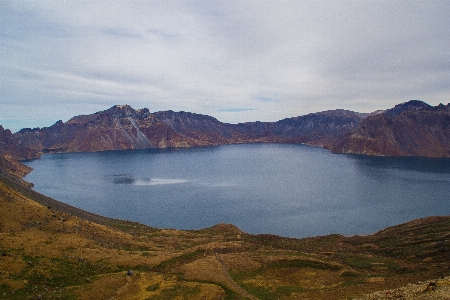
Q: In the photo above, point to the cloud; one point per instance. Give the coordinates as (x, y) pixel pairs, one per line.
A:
(235, 109)
(265, 99)
(278, 58)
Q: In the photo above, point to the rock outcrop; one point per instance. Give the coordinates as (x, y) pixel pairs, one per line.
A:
(122, 127)
(10, 154)
(413, 128)
(9, 145)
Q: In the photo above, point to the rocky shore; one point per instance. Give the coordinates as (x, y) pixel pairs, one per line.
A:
(438, 289)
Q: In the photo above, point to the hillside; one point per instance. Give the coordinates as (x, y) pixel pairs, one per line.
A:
(413, 128)
(11, 152)
(122, 127)
(54, 251)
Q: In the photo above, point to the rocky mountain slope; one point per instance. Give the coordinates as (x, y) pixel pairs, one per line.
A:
(317, 128)
(50, 250)
(10, 154)
(413, 128)
(122, 127)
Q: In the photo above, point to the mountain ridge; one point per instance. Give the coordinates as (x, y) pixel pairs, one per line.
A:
(413, 128)
(122, 127)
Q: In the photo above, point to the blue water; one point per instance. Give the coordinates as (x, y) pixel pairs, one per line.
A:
(288, 190)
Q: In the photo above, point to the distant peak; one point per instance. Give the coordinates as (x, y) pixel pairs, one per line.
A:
(126, 106)
(121, 111)
(58, 123)
(407, 106)
(339, 113)
(415, 103)
(224, 227)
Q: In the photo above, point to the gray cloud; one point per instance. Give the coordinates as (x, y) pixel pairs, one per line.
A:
(235, 60)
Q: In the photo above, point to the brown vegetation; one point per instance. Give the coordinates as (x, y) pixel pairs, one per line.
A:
(53, 251)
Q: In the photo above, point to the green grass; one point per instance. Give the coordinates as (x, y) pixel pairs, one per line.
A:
(266, 293)
(56, 276)
(182, 259)
(366, 262)
(229, 294)
(303, 263)
(178, 290)
(66, 273)
(359, 262)
(277, 267)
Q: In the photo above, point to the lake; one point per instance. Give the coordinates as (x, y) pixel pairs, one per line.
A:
(288, 190)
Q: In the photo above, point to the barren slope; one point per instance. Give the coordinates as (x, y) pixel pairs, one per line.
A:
(49, 252)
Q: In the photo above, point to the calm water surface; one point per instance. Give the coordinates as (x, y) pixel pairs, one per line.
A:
(288, 190)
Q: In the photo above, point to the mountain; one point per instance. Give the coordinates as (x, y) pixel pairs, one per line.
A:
(9, 145)
(122, 127)
(317, 128)
(10, 154)
(413, 128)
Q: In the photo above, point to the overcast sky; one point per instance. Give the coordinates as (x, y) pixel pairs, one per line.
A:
(237, 61)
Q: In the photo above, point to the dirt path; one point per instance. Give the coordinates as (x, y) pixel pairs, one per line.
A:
(212, 268)
(237, 288)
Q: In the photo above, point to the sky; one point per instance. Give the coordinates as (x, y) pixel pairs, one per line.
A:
(238, 61)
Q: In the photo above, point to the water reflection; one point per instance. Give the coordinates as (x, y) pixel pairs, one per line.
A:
(418, 164)
(123, 179)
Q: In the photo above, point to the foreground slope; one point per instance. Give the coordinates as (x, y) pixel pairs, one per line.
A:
(56, 251)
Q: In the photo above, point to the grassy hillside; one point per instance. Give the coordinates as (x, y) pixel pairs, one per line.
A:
(53, 251)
